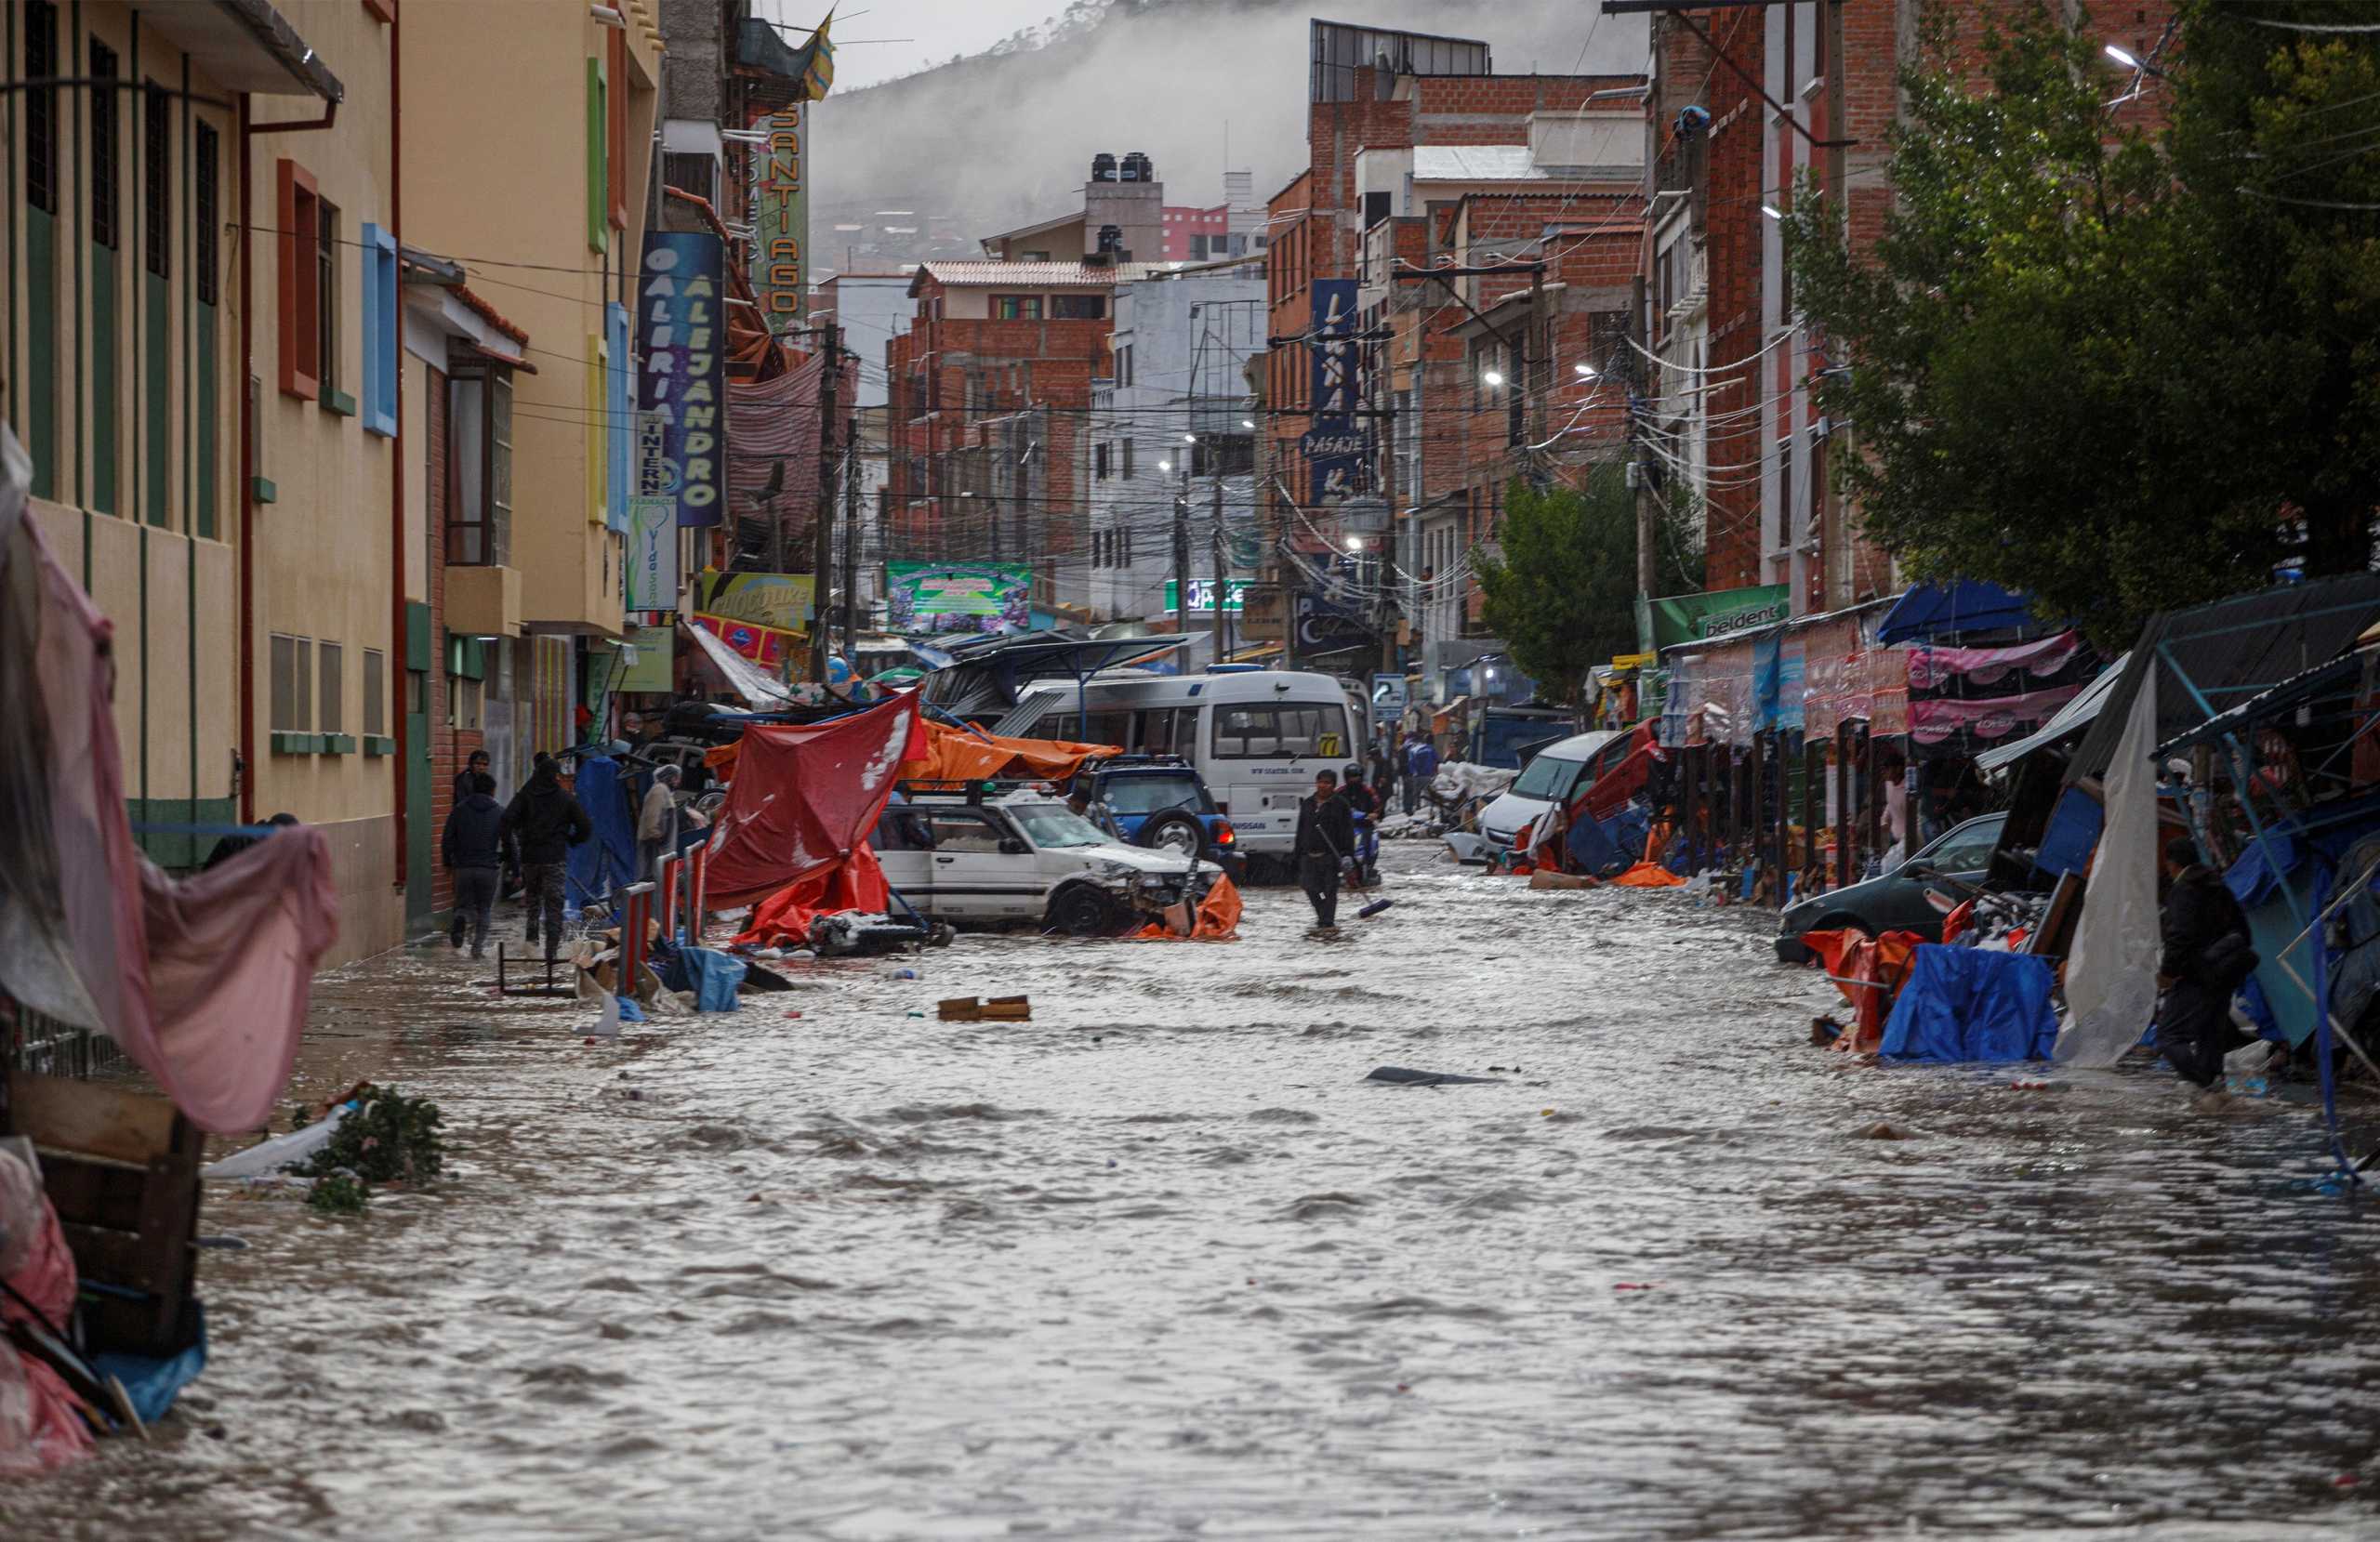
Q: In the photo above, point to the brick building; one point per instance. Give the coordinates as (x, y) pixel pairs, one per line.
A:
(1732, 422)
(990, 391)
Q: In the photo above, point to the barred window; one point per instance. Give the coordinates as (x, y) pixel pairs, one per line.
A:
(156, 175)
(107, 152)
(209, 216)
(41, 106)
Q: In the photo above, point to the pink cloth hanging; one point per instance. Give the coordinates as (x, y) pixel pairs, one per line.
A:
(203, 982)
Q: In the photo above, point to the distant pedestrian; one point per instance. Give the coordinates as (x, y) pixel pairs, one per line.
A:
(1383, 775)
(547, 821)
(1421, 768)
(657, 825)
(477, 765)
(2207, 958)
(1325, 834)
(476, 849)
(231, 846)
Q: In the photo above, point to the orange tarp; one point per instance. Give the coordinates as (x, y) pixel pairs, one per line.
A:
(783, 920)
(1648, 874)
(1869, 973)
(964, 755)
(1218, 918)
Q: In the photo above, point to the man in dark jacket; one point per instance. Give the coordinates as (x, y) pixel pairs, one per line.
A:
(475, 766)
(1326, 834)
(1421, 765)
(2194, 1027)
(546, 821)
(476, 849)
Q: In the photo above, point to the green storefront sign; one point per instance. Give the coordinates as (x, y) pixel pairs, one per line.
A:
(1699, 617)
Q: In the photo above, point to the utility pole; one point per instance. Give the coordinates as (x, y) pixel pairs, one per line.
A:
(1635, 428)
(1181, 548)
(1538, 367)
(851, 536)
(822, 557)
(1223, 640)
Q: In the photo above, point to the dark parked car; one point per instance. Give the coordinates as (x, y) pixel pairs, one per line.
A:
(1895, 902)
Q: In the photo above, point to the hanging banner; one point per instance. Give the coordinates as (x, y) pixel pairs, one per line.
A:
(1334, 446)
(767, 646)
(958, 597)
(682, 374)
(783, 601)
(780, 214)
(655, 671)
(1664, 623)
(653, 554)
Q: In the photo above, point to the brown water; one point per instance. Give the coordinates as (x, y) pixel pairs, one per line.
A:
(1162, 1264)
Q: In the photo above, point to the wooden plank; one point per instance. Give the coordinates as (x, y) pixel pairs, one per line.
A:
(113, 1258)
(87, 1192)
(88, 1119)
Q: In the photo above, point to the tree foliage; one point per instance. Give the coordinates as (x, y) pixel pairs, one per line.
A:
(2121, 371)
(1561, 590)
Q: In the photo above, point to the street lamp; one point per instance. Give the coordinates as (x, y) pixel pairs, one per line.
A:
(1492, 378)
(1189, 438)
(1165, 465)
(1247, 423)
(1355, 542)
(1772, 211)
(1584, 372)
(2123, 56)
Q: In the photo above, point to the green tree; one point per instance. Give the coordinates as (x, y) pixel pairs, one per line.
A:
(2121, 372)
(1561, 590)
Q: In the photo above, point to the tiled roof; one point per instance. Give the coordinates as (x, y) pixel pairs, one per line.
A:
(490, 314)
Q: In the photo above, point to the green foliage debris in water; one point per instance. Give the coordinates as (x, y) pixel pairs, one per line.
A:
(388, 1138)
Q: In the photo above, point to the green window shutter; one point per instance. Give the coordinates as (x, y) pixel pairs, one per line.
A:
(416, 636)
(598, 168)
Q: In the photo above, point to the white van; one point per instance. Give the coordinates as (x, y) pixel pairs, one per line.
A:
(1559, 770)
(1257, 736)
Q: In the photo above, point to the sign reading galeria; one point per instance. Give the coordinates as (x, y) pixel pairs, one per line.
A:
(681, 329)
(958, 597)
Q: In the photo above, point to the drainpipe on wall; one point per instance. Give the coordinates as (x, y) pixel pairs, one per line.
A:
(249, 130)
(398, 719)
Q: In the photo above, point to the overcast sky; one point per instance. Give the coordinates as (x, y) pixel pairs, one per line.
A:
(937, 29)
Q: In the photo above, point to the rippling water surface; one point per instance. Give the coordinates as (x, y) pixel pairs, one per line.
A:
(1162, 1263)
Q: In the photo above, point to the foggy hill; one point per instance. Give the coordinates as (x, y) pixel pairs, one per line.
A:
(991, 142)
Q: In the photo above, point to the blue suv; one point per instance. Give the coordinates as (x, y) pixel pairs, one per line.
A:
(1160, 802)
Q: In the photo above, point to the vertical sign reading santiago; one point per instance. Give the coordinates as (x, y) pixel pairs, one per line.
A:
(781, 216)
(681, 387)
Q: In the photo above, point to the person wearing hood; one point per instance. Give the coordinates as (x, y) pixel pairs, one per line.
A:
(657, 825)
(547, 821)
(477, 849)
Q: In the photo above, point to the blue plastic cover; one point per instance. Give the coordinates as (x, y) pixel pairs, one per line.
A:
(1946, 609)
(2074, 833)
(1963, 1005)
(715, 978)
(607, 858)
(153, 1384)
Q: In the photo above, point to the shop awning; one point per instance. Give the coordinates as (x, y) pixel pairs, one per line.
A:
(1946, 609)
(2338, 674)
(2073, 717)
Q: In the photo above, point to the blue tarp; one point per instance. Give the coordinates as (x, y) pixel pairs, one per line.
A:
(1946, 609)
(1962, 1005)
(153, 1384)
(2074, 833)
(713, 978)
(1604, 847)
(607, 858)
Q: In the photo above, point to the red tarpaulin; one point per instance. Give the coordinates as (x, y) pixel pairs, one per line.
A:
(785, 918)
(805, 796)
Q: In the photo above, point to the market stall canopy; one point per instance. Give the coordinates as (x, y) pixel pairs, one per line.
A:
(805, 796)
(1945, 610)
(2073, 717)
(2221, 653)
(2343, 673)
(987, 679)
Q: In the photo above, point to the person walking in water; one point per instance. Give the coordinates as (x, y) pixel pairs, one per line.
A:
(656, 825)
(1326, 834)
(547, 821)
(1421, 768)
(2206, 960)
(476, 849)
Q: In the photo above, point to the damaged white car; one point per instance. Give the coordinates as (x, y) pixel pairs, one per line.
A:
(1028, 861)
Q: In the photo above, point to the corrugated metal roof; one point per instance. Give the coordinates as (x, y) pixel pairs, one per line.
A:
(2230, 650)
(1009, 275)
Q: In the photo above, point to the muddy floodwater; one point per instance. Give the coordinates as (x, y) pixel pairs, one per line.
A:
(1160, 1263)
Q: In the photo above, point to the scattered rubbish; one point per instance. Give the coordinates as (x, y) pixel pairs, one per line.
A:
(1002, 1009)
(1545, 1113)
(636, 1094)
(1373, 909)
(1825, 1030)
(607, 1026)
(1545, 878)
(2034, 1085)
(917, 1014)
(1401, 1076)
(793, 1014)
(283, 1151)
(1634, 1288)
(1111, 1161)
(905, 974)
(1880, 1130)
(1513, 1069)
(385, 1137)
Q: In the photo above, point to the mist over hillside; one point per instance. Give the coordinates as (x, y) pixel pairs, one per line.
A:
(992, 141)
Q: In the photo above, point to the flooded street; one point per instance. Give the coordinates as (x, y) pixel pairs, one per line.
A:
(1162, 1263)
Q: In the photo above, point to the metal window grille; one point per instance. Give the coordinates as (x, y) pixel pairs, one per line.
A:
(207, 195)
(41, 106)
(156, 184)
(107, 152)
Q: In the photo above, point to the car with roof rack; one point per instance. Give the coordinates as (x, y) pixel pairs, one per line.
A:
(1161, 803)
(1012, 854)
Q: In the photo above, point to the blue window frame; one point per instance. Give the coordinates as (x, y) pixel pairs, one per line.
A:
(619, 406)
(381, 354)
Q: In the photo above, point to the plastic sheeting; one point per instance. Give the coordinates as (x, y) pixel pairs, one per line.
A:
(963, 755)
(39, 1427)
(2111, 973)
(783, 919)
(606, 859)
(1962, 1005)
(805, 796)
(204, 981)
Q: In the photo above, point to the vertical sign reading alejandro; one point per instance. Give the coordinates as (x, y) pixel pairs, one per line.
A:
(1333, 447)
(681, 386)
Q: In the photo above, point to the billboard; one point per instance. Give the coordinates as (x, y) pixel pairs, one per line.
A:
(1334, 446)
(766, 646)
(1693, 617)
(782, 601)
(1202, 595)
(680, 383)
(780, 214)
(958, 597)
(653, 554)
(656, 655)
